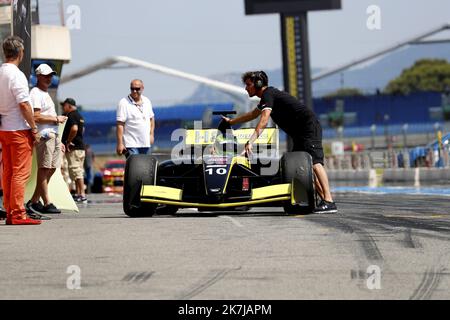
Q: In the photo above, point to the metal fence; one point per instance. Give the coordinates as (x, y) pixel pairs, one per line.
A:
(390, 158)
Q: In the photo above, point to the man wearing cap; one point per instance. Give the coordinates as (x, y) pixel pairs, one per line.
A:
(18, 131)
(72, 139)
(135, 122)
(48, 147)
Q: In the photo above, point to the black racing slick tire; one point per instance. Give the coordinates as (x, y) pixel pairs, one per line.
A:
(139, 169)
(298, 166)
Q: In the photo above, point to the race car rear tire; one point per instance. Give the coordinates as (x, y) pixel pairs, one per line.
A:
(298, 165)
(139, 169)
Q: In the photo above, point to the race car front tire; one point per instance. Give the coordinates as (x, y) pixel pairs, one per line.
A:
(139, 169)
(298, 165)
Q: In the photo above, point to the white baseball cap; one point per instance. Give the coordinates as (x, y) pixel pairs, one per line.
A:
(44, 69)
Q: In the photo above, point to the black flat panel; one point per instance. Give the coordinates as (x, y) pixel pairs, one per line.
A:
(289, 6)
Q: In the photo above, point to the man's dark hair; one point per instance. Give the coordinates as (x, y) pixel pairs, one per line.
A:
(12, 46)
(255, 76)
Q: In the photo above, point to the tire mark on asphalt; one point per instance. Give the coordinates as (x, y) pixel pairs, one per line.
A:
(381, 221)
(214, 277)
(364, 248)
(409, 242)
(432, 236)
(416, 226)
(138, 277)
(364, 239)
(369, 245)
(429, 283)
(334, 224)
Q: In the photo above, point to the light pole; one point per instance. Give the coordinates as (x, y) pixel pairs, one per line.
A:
(386, 130)
(405, 137)
(373, 129)
(340, 132)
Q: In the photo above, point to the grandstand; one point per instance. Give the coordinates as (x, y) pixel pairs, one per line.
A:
(359, 115)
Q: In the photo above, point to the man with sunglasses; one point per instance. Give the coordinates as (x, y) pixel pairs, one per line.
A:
(135, 122)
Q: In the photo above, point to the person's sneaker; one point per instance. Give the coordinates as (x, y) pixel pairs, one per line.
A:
(36, 207)
(326, 207)
(27, 207)
(81, 199)
(2, 214)
(37, 216)
(50, 208)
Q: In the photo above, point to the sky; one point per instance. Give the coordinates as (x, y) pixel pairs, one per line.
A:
(210, 37)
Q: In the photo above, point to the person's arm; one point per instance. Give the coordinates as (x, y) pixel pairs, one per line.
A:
(27, 113)
(249, 116)
(121, 118)
(19, 89)
(262, 124)
(119, 133)
(152, 130)
(72, 134)
(40, 118)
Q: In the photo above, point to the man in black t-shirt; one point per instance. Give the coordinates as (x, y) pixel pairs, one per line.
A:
(72, 138)
(297, 120)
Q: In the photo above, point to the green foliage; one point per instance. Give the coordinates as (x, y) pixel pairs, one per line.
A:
(424, 75)
(344, 92)
(335, 119)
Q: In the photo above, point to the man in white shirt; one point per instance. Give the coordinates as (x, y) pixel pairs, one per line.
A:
(135, 122)
(48, 148)
(18, 131)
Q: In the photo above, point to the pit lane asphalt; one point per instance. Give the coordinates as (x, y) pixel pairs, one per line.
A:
(260, 254)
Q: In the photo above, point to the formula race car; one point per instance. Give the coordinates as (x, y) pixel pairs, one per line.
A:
(209, 171)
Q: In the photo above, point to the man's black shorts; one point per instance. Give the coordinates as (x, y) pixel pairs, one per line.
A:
(311, 142)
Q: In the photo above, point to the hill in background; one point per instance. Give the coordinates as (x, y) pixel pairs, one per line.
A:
(368, 77)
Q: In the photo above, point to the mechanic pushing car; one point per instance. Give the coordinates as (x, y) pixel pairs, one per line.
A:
(297, 120)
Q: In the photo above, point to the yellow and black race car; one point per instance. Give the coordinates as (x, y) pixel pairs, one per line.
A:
(211, 173)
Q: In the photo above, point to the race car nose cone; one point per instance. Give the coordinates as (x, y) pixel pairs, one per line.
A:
(215, 198)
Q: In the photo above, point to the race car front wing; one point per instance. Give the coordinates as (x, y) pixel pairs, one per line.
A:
(174, 196)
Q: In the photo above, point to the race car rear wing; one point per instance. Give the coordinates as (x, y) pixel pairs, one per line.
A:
(195, 137)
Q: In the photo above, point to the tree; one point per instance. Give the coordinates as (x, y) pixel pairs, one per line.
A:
(424, 75)
(344, 92)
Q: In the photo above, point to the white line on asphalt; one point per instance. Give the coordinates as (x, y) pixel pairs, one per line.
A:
(235, 222)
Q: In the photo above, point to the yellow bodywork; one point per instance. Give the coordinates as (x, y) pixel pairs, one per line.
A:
(173, 196)
(208, 136)
(271, 191)
(161, 192)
